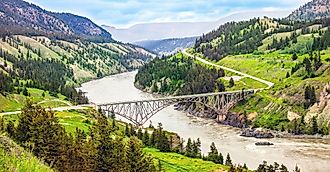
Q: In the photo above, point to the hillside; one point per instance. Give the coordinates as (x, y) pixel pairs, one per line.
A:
(292, 55)
(15, 158)
(315, 9)
(167, 46)
(167, 30)
(20, 17)
(54, 52)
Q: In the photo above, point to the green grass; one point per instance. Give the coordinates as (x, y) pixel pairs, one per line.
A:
(14, 102)
(75, 119)
(173, 162)
(16, 159)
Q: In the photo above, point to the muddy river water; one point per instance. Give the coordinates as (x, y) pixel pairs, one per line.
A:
(309, 154)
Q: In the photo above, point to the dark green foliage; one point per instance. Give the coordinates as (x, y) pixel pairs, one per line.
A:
(177, 75)
(294, 57)
(315, 129)
(196, 148)
(228, 160)
(6, 83)
(137, 160)
(264, 167)
(310, 96)
(145, 138)
(214, 156)
(25, 92)
(232, 39)
(189, 149)
(39, 131)
(2, 125)
(139, 134)
(127, 130)
(47, 74)
(231, 82)
(10, 129)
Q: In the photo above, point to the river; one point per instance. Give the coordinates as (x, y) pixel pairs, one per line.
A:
(311, 155)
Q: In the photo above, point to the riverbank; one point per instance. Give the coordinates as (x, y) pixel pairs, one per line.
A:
(309, 155)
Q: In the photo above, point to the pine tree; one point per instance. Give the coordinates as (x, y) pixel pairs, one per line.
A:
(140, 134)
(287, 75)
(132, 130)
(127, 130)
(152, 141)
(189, 149)
(25, 92)
(231, 82)
(228, 160)
(2, 125)
(10, 129)
(137, 160)
(145, 139)
(314, 125)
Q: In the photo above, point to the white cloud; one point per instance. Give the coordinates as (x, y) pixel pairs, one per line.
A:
(124, 13)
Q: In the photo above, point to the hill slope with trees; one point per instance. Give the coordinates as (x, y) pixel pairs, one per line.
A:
(20, 17)
(292, 54)
(315, 9)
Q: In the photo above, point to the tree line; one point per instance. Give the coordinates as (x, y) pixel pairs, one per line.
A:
(179, 75)
(40, 132)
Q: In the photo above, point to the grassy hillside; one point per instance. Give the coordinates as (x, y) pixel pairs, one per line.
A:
(14, 102)
(87, 60)
(14, 158)
(173, 162)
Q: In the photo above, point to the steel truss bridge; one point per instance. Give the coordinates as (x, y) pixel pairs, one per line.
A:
(140, 111)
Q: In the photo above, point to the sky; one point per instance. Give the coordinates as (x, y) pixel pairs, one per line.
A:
(125, 13)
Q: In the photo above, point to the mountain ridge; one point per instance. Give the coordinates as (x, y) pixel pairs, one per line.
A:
(20, 17)
(315, 9)
(158, 31)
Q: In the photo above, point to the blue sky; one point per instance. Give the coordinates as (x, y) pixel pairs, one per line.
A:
(124, 13)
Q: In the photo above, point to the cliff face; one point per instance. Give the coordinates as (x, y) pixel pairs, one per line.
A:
(322, 108)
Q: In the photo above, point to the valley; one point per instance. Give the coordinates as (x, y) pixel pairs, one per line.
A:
(247, 92)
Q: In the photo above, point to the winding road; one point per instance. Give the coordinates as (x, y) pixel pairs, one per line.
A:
(59, 109)
(269, 84)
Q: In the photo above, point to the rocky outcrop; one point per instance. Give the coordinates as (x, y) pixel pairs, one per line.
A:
(321, 109)
(238, 120)
(264, 144)
(233, 119)
(257, 133)
(292, 116)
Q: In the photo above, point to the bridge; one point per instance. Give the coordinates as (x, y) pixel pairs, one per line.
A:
(140, 111)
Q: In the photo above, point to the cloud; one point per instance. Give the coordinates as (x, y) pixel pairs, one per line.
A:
(123, 13)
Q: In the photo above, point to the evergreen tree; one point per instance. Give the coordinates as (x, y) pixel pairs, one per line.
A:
(152, 141)
(127, 130)
(231, 82)
(25, 92)
(314, 125)
(140, 134)
(189, 148)
(287, 75)
(10, 129)
(2, 125)
(137, 160)
(294, 57)
(145, 139)
(228, 160)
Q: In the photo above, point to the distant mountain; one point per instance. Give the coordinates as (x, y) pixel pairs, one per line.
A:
(167, 46)
(315, 9)
(20, 17)
(159, 31)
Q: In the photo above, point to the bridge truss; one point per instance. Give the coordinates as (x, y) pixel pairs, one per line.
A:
(139, 112)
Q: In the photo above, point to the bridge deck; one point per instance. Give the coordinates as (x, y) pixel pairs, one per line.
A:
(178, 97)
